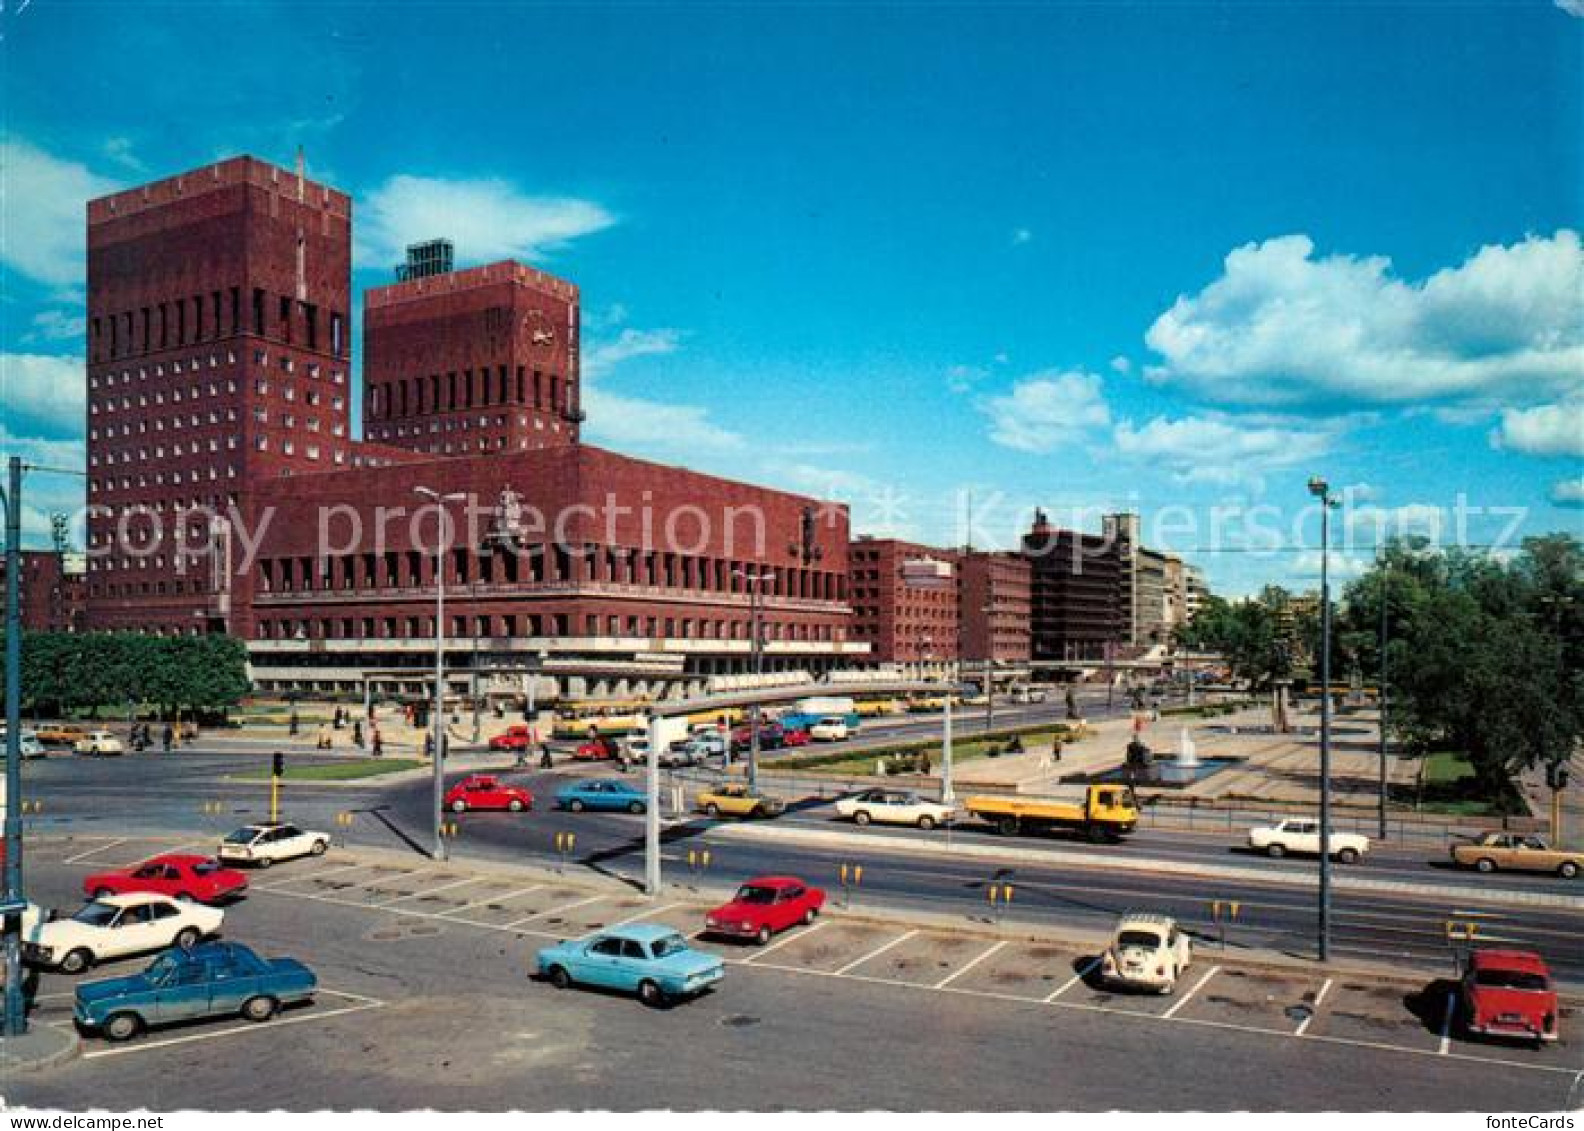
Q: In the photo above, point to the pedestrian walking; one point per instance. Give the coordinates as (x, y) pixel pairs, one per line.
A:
(378, 744)
(167, 736)
(357, 733)
(324, 737)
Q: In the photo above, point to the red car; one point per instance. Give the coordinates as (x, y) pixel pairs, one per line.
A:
(794, 737)
(764, 906)
(200, 878)
(484, 791)
(599, 749)
(771, 737)
(1508, 993)
(518, 737)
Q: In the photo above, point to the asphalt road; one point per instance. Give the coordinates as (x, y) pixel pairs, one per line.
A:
(1083, 890)
(432, 1008)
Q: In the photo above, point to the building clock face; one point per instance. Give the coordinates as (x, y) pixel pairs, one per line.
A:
(540, 332)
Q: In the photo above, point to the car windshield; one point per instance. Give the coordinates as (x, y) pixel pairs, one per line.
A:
(206, 867)
(242, 836)
(669, 945)
(1147, 939)
(162, 969)
(1510, 980)
(755, 893)
(96, 914)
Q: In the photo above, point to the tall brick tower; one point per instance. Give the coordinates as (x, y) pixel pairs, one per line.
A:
(217, 355)
(474, 361)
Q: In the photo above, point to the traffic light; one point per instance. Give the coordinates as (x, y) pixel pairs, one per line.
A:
(280, 764)
(1557, 775)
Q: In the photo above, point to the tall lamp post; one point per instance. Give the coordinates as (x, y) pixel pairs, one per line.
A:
(437, 722)
(1385, 596)
(15, 1004)
(753, 578)
(1321, 490)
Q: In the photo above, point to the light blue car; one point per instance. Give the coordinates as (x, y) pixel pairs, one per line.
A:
(606, 794)
(648, 959)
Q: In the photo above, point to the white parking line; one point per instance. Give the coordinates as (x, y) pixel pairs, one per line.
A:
(877, 952)
(557, 910)
(961, 970)
(495, 899)
(1313, 1009)
(1446, 1025)
(1189, 996)
(1073, 981)
(427, 891)
(361, 1003)
(790, 936)
(286, 883)
(91, 851)
(407, 912)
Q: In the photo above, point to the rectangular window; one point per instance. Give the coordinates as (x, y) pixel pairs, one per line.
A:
(258, 311)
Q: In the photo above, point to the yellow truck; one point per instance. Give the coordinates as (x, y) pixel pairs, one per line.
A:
(1105, 813)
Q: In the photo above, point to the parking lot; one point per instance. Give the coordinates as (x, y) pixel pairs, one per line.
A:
(387, 934)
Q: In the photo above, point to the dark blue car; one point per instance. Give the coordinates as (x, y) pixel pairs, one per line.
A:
(607, 794)
(217, 979)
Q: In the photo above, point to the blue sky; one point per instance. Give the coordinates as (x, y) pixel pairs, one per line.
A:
(1171, 258)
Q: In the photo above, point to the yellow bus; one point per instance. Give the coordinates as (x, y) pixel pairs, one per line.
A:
(580, 719)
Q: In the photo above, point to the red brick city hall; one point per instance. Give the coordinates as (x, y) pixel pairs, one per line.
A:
(227, 492)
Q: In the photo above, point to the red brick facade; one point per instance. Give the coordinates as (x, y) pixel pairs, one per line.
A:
(53, 594)
(475, 361)
(995, 606)
(904, 600)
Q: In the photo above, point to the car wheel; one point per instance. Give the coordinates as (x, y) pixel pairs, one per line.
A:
(926, 823)
(712, 810)
(635, 807)
(1485, 864)
(514, 805)
(861, 817)
(1348, 856)
(1007, 826)
(650, 993)
(1567, 869)
(559, 978)
(809, 915)
(123, 1026)
(260, 1008)
(76, 961)
(187, 937)
(575, 805)
(762, 935)
(320, 847)
(266, 862)
(1275, 851)
(459, 806)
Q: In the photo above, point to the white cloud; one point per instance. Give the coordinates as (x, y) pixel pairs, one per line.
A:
(1121, 364)
(624, 422)
(1340, 566)
(119, 150)
(54, 326)
(963, 378)
(45, 493)
(1572, 7)
(43, 394)
(1549, 430)
(1047, 409)
(41, 212)
(487, 219)
(1021, 236)
(1568, 492)
(1220, 449)
(601, 357)
(1373, 525)
(1280, 326)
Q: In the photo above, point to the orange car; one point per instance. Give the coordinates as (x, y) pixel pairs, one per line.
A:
(61, 734)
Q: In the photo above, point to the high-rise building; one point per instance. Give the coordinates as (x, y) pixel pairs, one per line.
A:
(1075, 592)
(995, 607)
(217, 354)
(904, 602)
(474, 361)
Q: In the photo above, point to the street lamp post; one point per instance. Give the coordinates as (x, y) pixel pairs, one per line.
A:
(1321, 490)
(1385, 590)
(437, 722)
(755, 620)
(15, 1003)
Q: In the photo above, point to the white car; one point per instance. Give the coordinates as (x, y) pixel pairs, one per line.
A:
(1303, 836)
(114, 926)
(894, 807)
(265, 844)
(831, 729)
(29, 744)
(1147, 952)
(99, 742)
